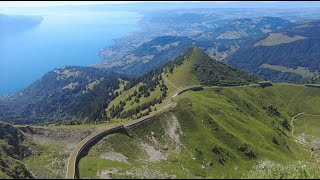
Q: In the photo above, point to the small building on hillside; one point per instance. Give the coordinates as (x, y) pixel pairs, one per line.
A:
(313, 85)
(265, 83)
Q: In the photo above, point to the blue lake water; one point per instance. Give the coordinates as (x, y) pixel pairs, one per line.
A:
(61, 39)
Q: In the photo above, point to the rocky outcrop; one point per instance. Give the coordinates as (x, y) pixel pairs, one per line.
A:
(12, 151)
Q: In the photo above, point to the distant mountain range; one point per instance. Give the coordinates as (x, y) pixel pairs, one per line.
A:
(290, 55)
(208, 31)
(270, 47)
(246, 27)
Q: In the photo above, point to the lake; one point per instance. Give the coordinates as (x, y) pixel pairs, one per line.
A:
(64, 38)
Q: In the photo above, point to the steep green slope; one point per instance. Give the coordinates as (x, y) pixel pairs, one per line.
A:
(153, 90)
(306, 130)
(12, 150)
(199, 68)
(214, 133)
(212, 72)
(287, 56)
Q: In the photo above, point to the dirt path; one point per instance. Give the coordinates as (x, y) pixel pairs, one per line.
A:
(223, 87)
(292, 119)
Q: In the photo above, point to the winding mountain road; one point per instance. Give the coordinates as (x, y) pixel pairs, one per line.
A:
(73, 158)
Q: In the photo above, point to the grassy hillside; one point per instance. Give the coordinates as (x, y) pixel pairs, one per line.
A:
(306, 131)
(214, 133)
(13, 148)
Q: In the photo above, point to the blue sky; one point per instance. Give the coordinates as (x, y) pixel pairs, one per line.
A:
(55, 3)
(6, 4)
(17, 6)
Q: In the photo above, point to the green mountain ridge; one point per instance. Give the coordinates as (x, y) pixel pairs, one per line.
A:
(193, 67)
(214, 133)
(87, 94)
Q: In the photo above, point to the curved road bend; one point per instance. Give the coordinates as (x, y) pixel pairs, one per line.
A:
(293, 118)
(71, 166)
(72, 161)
